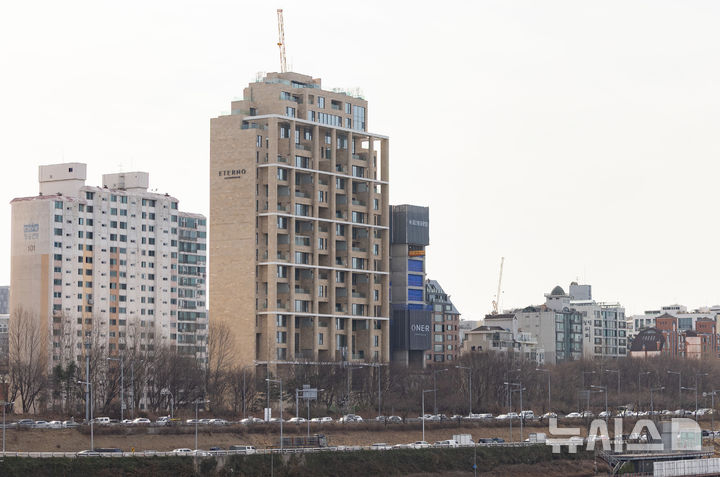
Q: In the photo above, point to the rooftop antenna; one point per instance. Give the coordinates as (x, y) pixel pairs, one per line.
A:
(281, 41)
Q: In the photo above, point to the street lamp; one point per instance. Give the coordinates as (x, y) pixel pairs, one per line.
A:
(435, 372)
(197, 402)
(122, 386)
(697, 388)
(602, 389)
(712, 411)
(4, 405)
(520, 389)
(652, 404)
(469, 384)
(684, 388)
(616, 371)
(639, 376)
(423, 409)
(90, 406)
(167, 392)
(541, 370)
(679, 373)
(279, 381)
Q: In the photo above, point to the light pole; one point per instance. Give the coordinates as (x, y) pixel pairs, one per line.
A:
(652, 404)
(616, 371)
(697, 388)
(89, 398)
(469, 385)
(279, 381)
(522, 418)
(712, 411)
(423, 409)
(603, 389)
(684, 388)
(679, 373)
(435, 372)
(639, 376)
(122, 386)
(167, 392)
(541, 370)
(197, 403)
(5, 404)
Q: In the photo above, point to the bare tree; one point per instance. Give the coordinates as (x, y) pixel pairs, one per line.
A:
(221, 354)
(27, 357)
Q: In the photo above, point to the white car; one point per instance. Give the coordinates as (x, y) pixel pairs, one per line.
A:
(182, 451)
(605, 414)
(141, 421)
(574, 415)
(420, 445)
(380, 446)
(297, 420)
(55, 424)
(218, 422)
(446, 443)
(41, 425)
(127, 421)
(326, 419)
(549, 415)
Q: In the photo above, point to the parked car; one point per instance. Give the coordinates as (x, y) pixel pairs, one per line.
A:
(218, 422)
(351, 418)
(55, 424)
(395, 419)
(141, 421)
(70, 424)
(380, 446)
(297, 420)
(127, 422)
(527, 415)
(381, 418)
(605, 414)
(549, 415)
(182, 451)
(41, 425)
(420, 445)
(25, 423)
(102, 420)
(574, 415)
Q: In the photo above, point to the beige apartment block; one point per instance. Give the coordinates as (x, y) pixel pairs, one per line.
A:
(112, 267)
(299, 225)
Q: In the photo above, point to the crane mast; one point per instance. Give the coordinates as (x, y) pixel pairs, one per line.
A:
(281, 41)
(496, 301)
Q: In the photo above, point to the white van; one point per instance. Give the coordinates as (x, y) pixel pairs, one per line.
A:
(102, 420)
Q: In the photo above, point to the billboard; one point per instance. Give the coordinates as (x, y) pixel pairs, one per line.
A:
(411, 329)
(410, 224)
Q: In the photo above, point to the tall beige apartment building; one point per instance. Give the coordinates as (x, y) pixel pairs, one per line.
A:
(112, 267)
(299, 246)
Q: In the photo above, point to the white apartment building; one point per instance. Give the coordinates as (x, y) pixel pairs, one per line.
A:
(114, 266)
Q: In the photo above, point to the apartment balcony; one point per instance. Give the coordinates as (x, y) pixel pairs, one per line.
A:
(282, 159)
(359, 295)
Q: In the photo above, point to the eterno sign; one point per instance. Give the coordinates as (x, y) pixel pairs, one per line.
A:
(232, 173)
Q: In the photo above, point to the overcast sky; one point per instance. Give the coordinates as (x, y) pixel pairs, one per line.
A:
(577, 139)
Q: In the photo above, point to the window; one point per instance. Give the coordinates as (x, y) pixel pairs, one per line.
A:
(321, 102)
(320, 338)
(290, 112)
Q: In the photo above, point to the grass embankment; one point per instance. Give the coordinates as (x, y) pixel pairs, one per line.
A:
(346, 464)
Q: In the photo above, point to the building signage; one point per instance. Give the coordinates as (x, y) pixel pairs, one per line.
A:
(420, 328)
(232, 173)
(31, 231)
(416, 253)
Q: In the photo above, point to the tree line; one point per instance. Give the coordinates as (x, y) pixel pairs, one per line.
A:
(152, 377)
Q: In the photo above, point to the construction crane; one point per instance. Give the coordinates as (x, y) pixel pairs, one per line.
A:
(281, 41)
(496, 301)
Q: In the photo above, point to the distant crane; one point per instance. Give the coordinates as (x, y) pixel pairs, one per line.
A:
(496, 301)
(281, 41)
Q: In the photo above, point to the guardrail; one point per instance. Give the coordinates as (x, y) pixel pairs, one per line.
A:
(291, 450)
